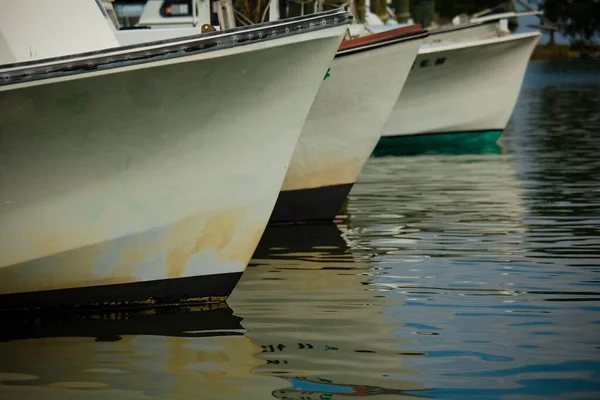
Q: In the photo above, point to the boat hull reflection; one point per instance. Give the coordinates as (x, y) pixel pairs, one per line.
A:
(309, 303)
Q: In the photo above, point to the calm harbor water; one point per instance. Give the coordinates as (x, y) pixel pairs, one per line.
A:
(467, 273)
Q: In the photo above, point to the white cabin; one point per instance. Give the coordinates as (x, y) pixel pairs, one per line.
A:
(33, 29)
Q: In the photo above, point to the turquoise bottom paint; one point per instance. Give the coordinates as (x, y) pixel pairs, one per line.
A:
(483, 142)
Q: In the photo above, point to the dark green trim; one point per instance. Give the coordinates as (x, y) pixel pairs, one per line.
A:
(474, 142)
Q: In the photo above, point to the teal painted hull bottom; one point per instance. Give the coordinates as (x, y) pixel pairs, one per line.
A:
(477, 142)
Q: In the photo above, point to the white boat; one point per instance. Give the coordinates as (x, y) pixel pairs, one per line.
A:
(462, 87)
(466, 79)
(146, 174)
(345, 123)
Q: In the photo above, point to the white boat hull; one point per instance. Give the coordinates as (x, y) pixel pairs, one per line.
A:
(462, 87)
(342, 129)
(145, 183)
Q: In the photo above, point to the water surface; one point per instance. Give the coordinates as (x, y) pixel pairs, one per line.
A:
(457, 275)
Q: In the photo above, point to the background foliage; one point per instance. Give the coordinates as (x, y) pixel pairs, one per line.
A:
(578, 19)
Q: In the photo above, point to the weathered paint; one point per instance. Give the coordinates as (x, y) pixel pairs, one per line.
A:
(148, 174)
(474, 89)
(218, 243)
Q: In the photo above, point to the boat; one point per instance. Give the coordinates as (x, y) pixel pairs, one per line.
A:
(345, 123)
(144, 175)
(469, 87)
(465, 80)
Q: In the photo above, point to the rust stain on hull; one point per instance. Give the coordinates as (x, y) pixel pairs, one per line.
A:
(217, 233)
(228, 237)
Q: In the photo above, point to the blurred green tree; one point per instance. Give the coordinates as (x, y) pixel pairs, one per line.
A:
(450, 9)
(446, 10)
(577, 19)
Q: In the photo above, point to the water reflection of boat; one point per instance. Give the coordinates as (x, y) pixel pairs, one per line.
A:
(321, 243)
(158, 353)
(310, 306)
(104, 208)
(197, 321)
(462, 193)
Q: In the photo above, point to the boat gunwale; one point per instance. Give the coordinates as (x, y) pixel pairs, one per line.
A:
(506, 15)
(385, 40)
(453, 28)
(485, 20)
(449, 46)
(167, 49)
(469, 132)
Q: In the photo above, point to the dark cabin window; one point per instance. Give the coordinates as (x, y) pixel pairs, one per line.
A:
(176, 8)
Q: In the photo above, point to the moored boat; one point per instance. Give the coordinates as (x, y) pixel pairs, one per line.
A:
(465, 81)
(345, 123)
(145, 174)
(462, 87)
